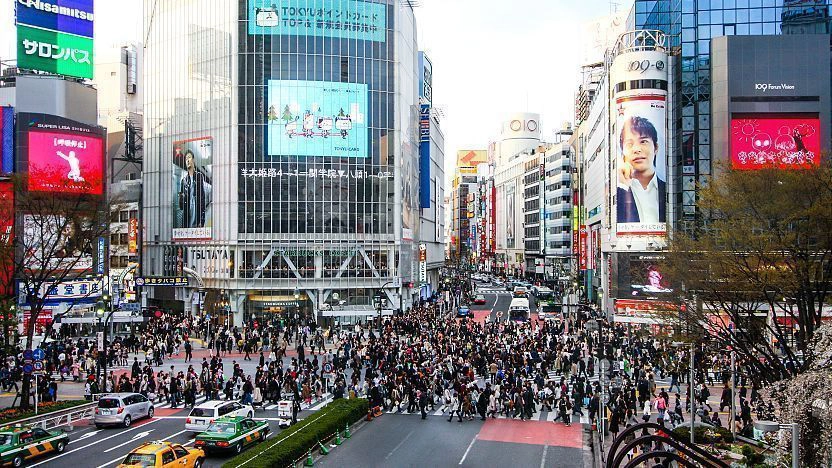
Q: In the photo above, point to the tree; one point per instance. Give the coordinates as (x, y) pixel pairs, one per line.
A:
(760, 263)
(272, 113)
(287, 114)
(807, 400)
(55, 239)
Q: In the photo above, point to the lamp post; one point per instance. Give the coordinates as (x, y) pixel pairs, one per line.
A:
(772, 426)
(379, 301)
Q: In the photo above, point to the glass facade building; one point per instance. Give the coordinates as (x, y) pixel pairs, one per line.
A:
(302, 116)
(690, 25)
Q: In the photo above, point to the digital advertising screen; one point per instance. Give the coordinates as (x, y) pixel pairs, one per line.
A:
(783, 141)
(317, 118)
(348, 19)
(54, 242)
(640, 277)
(65, 162)
(192, 162)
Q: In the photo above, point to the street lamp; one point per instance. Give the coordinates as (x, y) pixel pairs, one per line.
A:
(379, 301)
(772, 426)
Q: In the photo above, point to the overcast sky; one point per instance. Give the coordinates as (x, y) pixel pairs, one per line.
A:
(490, 57)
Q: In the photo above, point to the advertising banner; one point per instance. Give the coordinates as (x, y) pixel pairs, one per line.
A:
(640, 277)
(317, 118)
(192, 200)
(424, 156)
(784, 141)
(54, 242)
(583, 237)
(639, 136)
(510, 215)
(6, 140)
(68, 16)
(133, 236)
(54, 52)
(348, 19)
(78, 291)
(7, 266)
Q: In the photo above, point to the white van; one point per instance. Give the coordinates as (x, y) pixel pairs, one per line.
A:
(519, 310)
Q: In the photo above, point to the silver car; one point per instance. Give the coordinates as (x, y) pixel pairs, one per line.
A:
(121, 409)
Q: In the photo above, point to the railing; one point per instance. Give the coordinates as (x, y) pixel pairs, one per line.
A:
(60, 418)
(692, 453)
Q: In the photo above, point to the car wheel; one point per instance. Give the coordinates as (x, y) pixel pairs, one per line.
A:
(127, 421)
(198, 463)
(250, 415)
(150, 412)
(17, 461)
(263, 436)
(98, 426)
(60, 446)
(238, 448)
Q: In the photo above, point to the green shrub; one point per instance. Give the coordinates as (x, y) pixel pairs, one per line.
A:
(704, 434)
(289, 445)
(11, 415)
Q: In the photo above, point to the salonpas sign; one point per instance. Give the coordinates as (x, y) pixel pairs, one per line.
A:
(56, 36)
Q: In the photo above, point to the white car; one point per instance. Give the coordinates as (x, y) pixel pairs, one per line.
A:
(203, 415)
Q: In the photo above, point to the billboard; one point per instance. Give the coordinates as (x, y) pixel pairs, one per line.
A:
(786, 141)
(639, 136)
(6, 237)
(54, 242)
(68, 16)
(510, 215)
(640, 277)
(54, 52)
(6, 140)
(348, 19)
(133, 236)
(317, 118)
(192, 188)
(424, 156)
(471, 158)
(65, 162)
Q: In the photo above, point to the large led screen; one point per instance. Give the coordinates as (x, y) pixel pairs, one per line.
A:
(348, 19)
(192, 184)
(317, 118)
(66, 162)
(640, 276)
(759, 141)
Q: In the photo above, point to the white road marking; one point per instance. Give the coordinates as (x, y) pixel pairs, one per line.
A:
(465, 455)
(399, 444)
(85, 436)
(93, 443)
(543, 459)
(137, 436)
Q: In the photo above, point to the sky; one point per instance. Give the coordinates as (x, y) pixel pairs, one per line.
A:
(490, 57)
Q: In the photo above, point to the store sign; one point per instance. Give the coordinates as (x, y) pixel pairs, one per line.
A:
(583, 247)
(423, 263)
(424, 156)
(101, 256)
(162, 281)
(75, 290)
(54, 52)
(348, 19)
(133, 236)
(323, 174)
(211, 261)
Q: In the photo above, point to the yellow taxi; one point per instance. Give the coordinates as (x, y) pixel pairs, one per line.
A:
(163, 455)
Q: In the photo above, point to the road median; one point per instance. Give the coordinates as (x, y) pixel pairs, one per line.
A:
(296, 442)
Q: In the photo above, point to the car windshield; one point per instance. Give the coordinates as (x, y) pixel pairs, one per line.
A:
(140, 459)
(108, 403)
(223, 428)
(5, 439)
(202, 412)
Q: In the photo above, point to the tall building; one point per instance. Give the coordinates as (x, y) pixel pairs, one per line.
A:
(281, 159)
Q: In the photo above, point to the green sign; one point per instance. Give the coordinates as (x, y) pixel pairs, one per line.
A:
(54, 52)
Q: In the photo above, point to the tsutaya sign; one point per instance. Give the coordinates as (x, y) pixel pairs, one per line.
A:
(211, 262)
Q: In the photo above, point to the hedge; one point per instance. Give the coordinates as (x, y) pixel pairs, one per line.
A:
(702, 434)
(292, 444)
(11, 415)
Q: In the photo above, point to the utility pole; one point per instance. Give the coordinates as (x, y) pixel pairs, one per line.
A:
(733, 393)
(691, 384)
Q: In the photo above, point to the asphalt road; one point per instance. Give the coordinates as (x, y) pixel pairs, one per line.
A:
(396, 440)
(107, 447)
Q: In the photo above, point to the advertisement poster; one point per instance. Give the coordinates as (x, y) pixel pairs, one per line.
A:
(133, 236)
(6, 237)
(759, 141)
(53, 242)
(192, 163)
(348, 19)
(68, 16)
(583, 248)
(317, 118)
(54, 52)
(641, 161)
(510, 216)
(6, 140)
(66, 163)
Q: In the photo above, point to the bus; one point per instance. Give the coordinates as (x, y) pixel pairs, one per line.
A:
(550, 309)
(519, 310)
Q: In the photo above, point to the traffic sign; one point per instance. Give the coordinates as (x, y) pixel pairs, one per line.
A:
(38, 354)
(27, 368)
(27, 354)
(327, 368)
(38, 366)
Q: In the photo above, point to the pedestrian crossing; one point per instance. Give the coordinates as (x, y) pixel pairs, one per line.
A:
(492, 291)
(541, 416)
(315, 405)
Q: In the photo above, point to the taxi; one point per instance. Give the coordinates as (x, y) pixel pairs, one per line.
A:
(232, 434)
(19, 443)
(163, 454)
